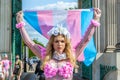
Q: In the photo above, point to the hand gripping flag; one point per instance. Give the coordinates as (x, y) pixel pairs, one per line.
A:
(76, 21)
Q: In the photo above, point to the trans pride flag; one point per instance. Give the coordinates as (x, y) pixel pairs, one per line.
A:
(76, 21)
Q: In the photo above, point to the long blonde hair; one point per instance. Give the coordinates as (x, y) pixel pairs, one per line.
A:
(50, 50)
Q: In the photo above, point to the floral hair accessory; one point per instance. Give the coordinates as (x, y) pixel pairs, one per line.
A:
(59, 29)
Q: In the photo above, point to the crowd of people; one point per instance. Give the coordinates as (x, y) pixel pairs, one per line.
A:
(18, 67)
(5, 65)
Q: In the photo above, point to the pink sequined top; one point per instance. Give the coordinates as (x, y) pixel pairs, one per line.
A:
(62, 70)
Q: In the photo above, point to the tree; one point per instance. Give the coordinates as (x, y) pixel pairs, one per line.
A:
(37, 42)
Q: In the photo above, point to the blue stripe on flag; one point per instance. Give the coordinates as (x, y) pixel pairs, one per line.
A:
(90, 50)
(32, 19)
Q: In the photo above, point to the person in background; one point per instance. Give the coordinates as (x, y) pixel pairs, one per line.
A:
(1, 69)
(6, 66)
(38, 71)
(30, 63)
(59, 60)
(17, 71)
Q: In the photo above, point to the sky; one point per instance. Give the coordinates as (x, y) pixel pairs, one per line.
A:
(28, 4)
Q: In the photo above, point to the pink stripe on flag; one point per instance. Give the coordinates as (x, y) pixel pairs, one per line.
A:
(45, 20)
(74, 26)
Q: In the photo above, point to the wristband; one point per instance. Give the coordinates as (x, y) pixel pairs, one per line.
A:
(20, 24)
(95, 23)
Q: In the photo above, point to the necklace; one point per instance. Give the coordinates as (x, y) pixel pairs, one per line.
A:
(59, 56)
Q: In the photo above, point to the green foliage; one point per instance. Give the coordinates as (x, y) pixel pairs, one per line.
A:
(71, 8)
(37, 42)
(30, 52)
(86, 3)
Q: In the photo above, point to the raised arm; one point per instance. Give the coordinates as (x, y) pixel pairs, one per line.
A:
(89, 33)
(20, 25)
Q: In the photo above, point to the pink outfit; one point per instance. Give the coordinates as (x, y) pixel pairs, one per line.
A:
(95, 23)
(19, 25)
(6, 64)
(54, 70)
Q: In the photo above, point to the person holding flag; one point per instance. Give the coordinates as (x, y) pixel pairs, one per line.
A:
(58, 58)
